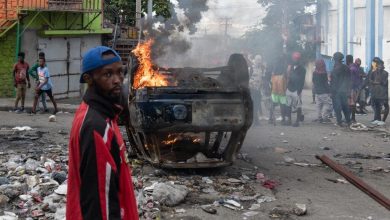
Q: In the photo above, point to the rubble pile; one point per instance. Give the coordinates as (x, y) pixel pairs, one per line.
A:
(161, 192)
(33, 179)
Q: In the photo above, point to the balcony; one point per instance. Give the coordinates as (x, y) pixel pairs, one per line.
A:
(10, 8)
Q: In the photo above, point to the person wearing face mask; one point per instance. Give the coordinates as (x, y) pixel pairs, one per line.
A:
(378, 84)
(296, 74)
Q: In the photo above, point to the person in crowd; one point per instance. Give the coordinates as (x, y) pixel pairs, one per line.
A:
(254, 85)
(296, 74)
(322, 92)
(99, 179)
(378, 83)
(278, 89)
(21, 81)
(313, 95)
(362, 96)
(45, 86)
(356, 85)
(340, 86)
(33, 72)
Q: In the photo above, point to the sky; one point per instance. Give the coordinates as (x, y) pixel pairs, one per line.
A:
(241, 14)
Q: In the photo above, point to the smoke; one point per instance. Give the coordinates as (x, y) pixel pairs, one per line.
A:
(170, 35)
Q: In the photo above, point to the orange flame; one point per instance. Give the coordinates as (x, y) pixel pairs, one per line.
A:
(146, 75)
(173, 138)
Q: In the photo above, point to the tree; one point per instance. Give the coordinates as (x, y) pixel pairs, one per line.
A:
(126, 11)
(280, 30)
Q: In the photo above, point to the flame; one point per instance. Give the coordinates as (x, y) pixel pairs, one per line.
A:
(173, 138)
(146, 75)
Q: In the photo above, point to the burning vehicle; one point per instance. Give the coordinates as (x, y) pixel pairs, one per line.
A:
(187, 117)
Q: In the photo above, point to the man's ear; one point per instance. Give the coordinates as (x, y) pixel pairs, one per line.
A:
(88, 79)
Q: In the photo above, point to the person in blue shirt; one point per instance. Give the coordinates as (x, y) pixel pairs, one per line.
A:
(44, 86)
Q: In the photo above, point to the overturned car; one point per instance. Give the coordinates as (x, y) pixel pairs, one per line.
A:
(188, 117)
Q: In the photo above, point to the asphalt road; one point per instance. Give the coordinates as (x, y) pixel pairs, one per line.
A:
(264, 149)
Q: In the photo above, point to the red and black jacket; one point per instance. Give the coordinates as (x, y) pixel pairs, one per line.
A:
(99, 180)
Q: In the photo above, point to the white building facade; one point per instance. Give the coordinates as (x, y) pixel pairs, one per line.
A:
(356, 27)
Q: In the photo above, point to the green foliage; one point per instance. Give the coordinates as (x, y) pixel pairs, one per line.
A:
(127, 11)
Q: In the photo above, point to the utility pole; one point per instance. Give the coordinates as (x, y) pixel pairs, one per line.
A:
(150, 11)
(226, 24)
(138, 14)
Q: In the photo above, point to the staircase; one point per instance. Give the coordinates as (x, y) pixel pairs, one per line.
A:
(8, 15)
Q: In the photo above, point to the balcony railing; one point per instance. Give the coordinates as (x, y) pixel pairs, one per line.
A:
(9, 8)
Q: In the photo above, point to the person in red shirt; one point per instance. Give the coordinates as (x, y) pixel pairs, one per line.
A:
(99, 179)
(21, 81)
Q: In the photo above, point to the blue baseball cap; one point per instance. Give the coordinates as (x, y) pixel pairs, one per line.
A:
(93, 59)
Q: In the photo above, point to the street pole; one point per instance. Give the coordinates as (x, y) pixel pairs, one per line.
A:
(150, 11)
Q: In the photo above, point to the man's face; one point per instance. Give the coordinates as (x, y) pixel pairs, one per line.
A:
(21, 59)
(109, 79)
(41, 62)
(358, 62)
(374, 65)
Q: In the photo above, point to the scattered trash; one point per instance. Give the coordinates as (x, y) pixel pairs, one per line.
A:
(263, 199)
(325, 148)
(23, 128)
(231, 204)
(209, 209)
(250, 214)
(300, 209)
(234, 181)
(180, 210)
(285, 141)
(61, 190)
(207, 180)
(169, 194)
(337, 180)
(288, 159)
(270, 184)
(52, 118)
(358, 127)
(254, 207)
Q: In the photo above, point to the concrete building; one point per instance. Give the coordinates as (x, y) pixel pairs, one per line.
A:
(355, 27)
(63, 29)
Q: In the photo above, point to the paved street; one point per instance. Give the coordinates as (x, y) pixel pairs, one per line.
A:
(265, 151)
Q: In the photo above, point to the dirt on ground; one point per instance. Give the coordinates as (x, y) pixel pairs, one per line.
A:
(276, 175)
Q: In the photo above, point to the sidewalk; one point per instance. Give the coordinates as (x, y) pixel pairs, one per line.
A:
(64, 105)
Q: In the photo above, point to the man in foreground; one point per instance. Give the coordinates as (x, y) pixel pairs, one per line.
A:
(99, 181)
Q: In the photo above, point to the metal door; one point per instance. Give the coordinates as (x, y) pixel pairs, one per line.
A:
(63, 60)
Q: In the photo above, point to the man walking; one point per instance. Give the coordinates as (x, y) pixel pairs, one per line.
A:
(340, 85)
(45, 86)
(33, 72)
(378, 83)
(99, 180)
(295, 82)
(21, 78)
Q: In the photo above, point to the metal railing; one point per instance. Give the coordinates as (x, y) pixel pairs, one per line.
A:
(10, 7)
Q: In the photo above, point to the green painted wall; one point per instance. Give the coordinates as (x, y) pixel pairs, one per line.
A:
(7, 60)
(59, 21)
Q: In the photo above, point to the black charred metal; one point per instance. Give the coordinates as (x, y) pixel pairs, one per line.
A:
(199, 123)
